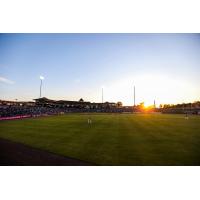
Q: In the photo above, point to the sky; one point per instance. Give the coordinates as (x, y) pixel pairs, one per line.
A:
(163, 67)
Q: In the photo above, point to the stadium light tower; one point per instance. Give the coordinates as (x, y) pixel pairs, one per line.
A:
(41, 79)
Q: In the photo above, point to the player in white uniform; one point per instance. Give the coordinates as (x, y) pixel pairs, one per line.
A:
(89, 121)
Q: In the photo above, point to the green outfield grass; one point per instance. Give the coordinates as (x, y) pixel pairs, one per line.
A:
(113, 139)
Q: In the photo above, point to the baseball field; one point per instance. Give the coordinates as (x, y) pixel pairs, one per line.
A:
(112, 139)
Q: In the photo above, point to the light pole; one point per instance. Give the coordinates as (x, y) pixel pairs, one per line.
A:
(134, 94)
(41, 79)
(102, 94)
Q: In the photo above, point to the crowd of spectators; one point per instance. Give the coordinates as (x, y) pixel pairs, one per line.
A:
(11, 111)
(32, 111)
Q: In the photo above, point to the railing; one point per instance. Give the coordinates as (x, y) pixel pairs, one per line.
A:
(15, 117)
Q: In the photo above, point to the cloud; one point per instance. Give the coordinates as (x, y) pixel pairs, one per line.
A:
(5, 80)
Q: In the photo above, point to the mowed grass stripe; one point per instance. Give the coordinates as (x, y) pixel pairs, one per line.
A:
(170, 142)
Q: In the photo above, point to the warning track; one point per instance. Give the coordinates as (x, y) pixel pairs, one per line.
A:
(17, 154)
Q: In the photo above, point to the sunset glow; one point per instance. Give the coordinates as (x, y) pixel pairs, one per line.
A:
(150, 87)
